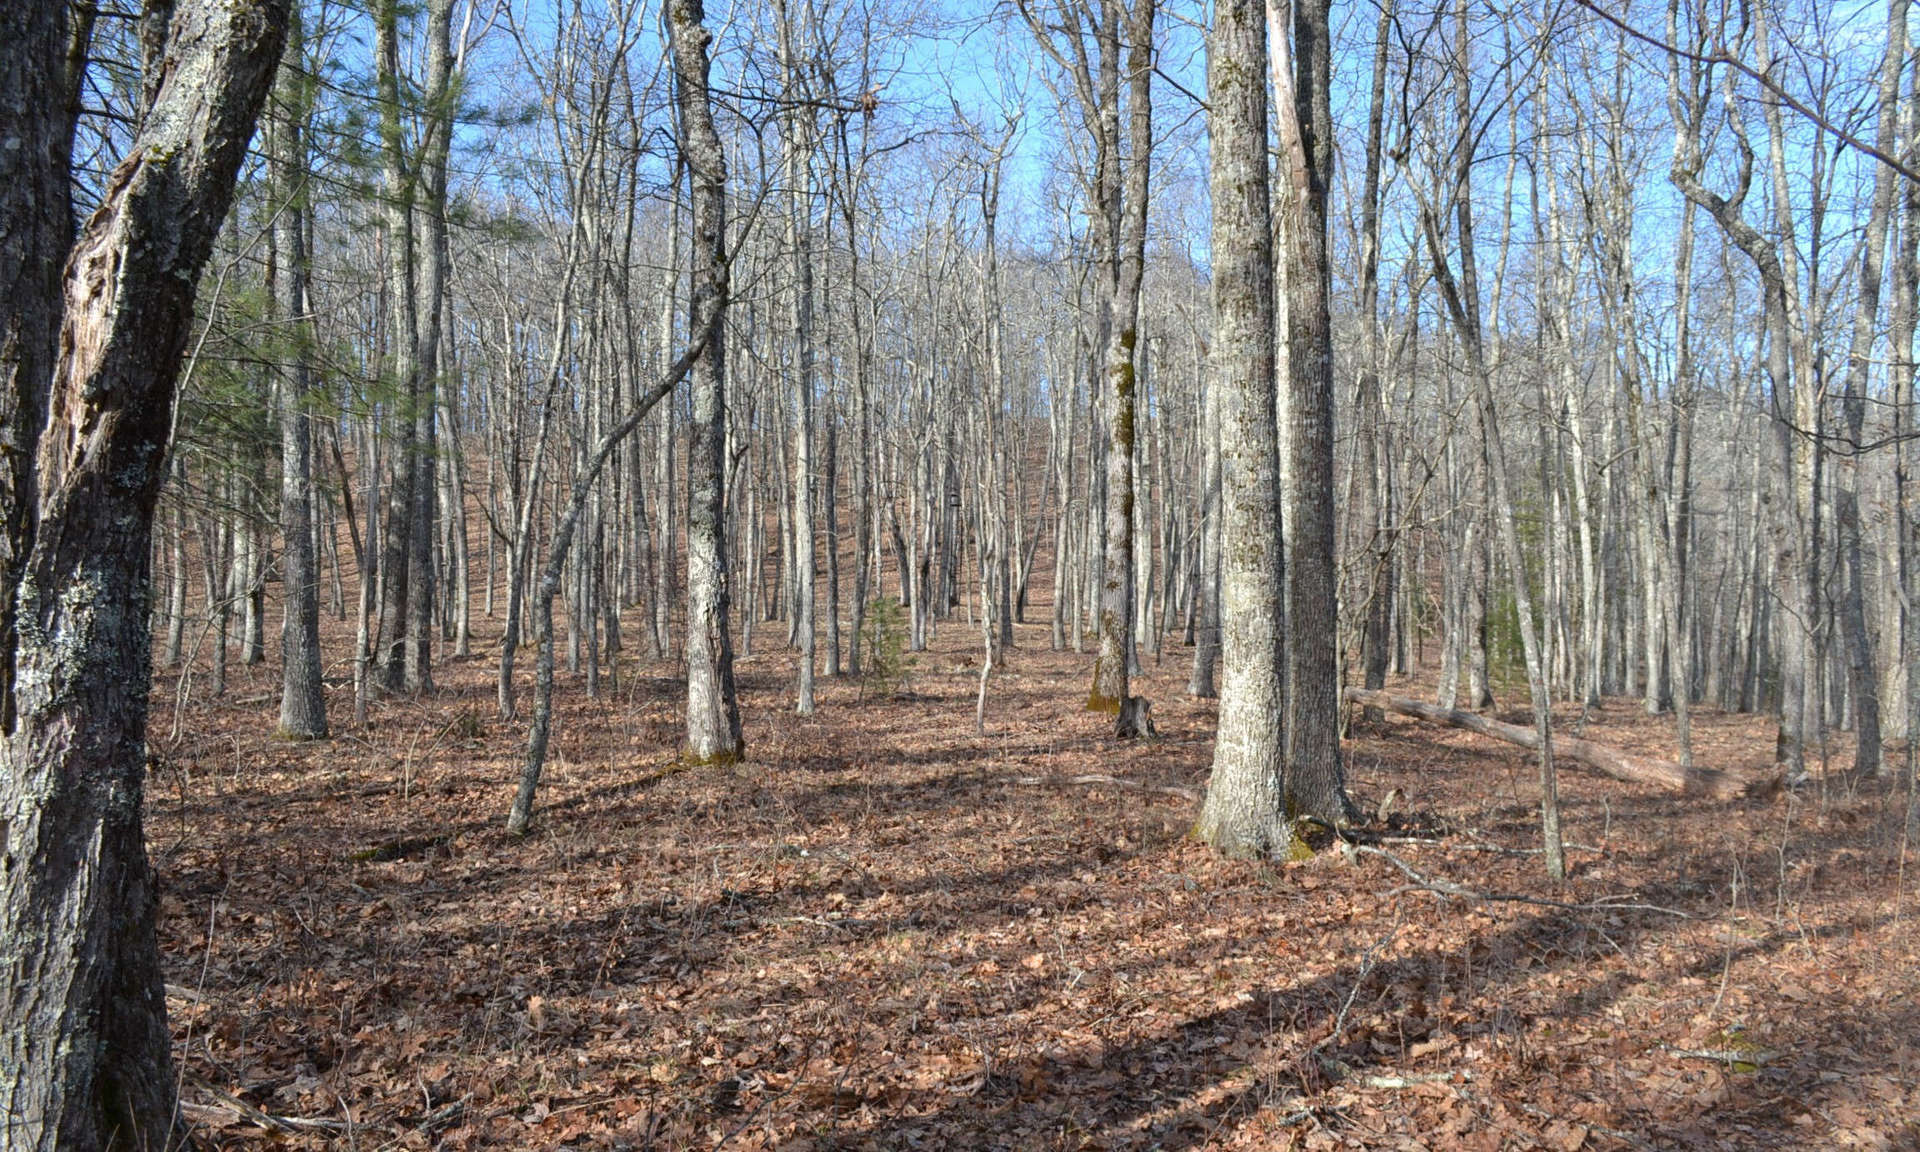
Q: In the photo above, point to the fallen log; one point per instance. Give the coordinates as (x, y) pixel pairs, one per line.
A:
(1601, 758)
(1111, 782)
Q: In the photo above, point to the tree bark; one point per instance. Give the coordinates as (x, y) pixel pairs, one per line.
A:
(1116, 625)
(1863, 670)
(47, 56)
(713, 706)
(1376, 458)
(402, 339)
(1244, 813)
(427, 197)
(1314, 780)
(1202, 682)
(303, 706)
(801, 561)
(84, 1047)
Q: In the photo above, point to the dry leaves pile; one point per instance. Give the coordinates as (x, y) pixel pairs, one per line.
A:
(880, 933)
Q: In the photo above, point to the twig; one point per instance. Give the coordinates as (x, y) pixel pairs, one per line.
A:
(1334, 1068)
(1624, 1137)
(1424, 883)
(443, 1116)
(846, 925)
(1473, 846)
(1729, 1056)
(1110, 781)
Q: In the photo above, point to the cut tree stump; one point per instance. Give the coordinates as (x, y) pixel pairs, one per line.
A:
(1601, 758)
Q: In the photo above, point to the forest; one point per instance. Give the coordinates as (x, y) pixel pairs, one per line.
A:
(1027, 574)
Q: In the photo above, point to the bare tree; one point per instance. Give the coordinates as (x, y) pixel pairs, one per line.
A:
(1461, 294)
(1690, 86)
(713, 708)
(1095, 48)
(1862, 659)
(303, 708)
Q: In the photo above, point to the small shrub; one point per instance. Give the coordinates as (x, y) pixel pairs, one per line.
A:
(883, 636)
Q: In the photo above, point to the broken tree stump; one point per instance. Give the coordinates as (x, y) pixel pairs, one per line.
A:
(1601, 758)
(1135, 720)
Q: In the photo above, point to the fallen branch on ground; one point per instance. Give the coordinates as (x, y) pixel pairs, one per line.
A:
(228, 1109)
(1434, 884)
(1112, 782)
(1734, 1057)
(1412, 1080)
(1601, 758)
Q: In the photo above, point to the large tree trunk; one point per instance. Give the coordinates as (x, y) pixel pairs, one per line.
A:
(84, 1057)
(1244, 814)
(36, 227)
(713, 705)
(1315, 783)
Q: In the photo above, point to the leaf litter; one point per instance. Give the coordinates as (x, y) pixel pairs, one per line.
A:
(883, 931)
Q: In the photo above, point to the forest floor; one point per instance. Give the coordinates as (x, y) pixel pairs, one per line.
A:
(884, 931)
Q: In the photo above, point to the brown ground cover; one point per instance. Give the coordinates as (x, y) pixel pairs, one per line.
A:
(884, 931)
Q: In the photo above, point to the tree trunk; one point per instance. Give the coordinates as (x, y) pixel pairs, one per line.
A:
(800, 560)
(46, 56)
(1863, 671)
(520, 817)
(1206, 611)
(713, 707)
(1376, 458)
(1790, 527)
(1244, 813)
(403, 344)
(1904, 311)
(430, 179)
(84, 1047)
(1128, 238)
(1462, 298)
(1315, 782)
(303, 708)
